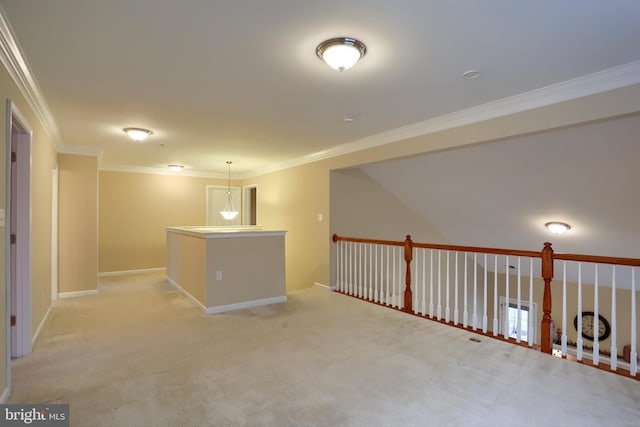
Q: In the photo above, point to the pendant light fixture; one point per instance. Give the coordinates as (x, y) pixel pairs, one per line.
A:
(229, 213)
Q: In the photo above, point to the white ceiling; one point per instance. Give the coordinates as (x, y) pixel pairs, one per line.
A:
(239, 80)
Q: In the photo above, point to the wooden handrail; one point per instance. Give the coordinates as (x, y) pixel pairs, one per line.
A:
(631, 262)
(547, 256)
(477, 249)
(337, 238)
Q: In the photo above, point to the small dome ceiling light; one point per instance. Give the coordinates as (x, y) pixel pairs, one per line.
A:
(557, 227)
(175, 168)
(341, 53)
(138, 134)
(471, 74)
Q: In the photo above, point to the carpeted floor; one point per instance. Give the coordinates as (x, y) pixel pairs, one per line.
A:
(140, 354)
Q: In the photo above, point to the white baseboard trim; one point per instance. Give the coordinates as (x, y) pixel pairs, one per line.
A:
(74, 294)
(187, 294)
(229, 307)
(37, 334)
(246, 304)
(130, 272)
(5, 395)
(321, 285)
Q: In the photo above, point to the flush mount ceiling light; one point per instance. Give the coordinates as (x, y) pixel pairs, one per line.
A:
(175, 168)
(557, 227)
(229, 213)
(341, 53)
(137, 134)
(471, 74)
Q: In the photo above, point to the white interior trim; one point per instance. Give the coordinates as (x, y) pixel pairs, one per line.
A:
(36, 335)
(187, 294)
(5, 395)
(130, 272)
(245, 304)
(327, 287)
(17, 67)
(74, 294)
(591, 84)
(163, 171)
(228, 307)
(54, 232)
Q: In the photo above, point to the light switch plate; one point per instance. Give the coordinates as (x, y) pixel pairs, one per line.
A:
(1, 217)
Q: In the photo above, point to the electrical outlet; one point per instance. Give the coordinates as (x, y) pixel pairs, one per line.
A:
(218, 275)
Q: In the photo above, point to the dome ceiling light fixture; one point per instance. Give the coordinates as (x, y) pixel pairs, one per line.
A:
(175, 168)
(138, 134)
(557, 227)
(341, 53)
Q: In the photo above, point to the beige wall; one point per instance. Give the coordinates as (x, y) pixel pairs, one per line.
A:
(42, 162)
(77, 223)
(187, 264)
(134, 210)
(291, 200)
(252, 269)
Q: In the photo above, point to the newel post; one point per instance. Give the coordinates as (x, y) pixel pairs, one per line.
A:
(408, 257)
(547, 275)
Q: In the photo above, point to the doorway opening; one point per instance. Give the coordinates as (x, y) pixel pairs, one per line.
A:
(520, 322)
(250, 205)
(18, 228)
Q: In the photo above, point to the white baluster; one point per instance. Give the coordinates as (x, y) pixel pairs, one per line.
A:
(395, 279)
(431, 285)
(370, 275)
(375, 269)
(401, 281)
(415, 281)
(456, 312)
(596, 342)
(365, 269)
(634, 350)
(447, 310)
(519, 306)
(475, 291)
(465, 312)
(485, 319)
(531, 339)
(579, 340)
(564, 309)
(505, 321)
(424, 282)
(386, 295)
(439, 284)
(495, 295)
(614, 328)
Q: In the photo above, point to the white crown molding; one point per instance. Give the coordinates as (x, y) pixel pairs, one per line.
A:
(18, 68)
(80, 150)
(165, 171)
(591, 84)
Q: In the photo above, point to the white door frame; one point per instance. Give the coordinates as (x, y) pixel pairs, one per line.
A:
(54, 232)
(19, 337)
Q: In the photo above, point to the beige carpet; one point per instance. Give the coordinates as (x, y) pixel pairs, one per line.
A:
(140, 354)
